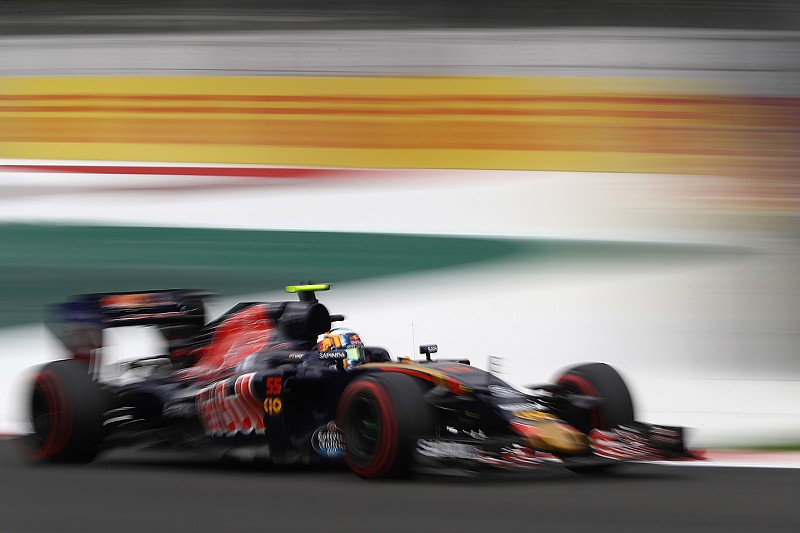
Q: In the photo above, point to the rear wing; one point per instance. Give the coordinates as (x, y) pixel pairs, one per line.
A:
(79, 322)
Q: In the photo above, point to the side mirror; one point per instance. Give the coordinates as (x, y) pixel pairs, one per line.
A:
(428, 349)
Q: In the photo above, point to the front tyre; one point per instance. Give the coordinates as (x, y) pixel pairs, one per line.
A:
(66, 411)
(602, 381)
(379, 415)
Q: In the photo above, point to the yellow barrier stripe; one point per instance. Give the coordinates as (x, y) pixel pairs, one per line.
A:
(602, 124)
(347, 86)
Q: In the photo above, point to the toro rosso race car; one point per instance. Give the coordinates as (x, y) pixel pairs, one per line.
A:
(272, 380)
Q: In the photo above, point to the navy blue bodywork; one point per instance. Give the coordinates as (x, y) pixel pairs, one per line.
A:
(252, 382)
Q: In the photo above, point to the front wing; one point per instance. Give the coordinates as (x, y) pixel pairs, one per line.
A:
(629, 443)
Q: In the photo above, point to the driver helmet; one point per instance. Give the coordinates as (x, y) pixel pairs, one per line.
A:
(343, 339)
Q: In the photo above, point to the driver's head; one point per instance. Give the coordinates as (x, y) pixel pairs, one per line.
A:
(345, 340)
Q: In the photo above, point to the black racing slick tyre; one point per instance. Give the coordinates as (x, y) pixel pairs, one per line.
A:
(379, 415)
(66, 412)
(602, 381)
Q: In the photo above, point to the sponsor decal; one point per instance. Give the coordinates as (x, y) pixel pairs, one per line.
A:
(231, 407)
(144, 316)
(518, 406)
(328, 441)
(273, 405)
(179, 410)
(446, 449)
(335, 355)
(135, 301)
(504, 392)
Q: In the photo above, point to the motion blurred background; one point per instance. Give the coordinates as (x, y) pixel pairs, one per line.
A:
(548, 182)
(81, 16)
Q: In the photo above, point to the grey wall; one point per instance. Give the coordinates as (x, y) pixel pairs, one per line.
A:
(96, 16)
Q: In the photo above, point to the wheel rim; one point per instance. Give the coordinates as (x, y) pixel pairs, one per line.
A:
(592, 418)
(363, 439)
(41, 416)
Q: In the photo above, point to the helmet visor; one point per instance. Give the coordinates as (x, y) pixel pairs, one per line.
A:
(355, 356)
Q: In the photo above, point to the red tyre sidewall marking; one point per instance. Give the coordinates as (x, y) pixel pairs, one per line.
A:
(381, 463)
(585, 387)
(59, 413)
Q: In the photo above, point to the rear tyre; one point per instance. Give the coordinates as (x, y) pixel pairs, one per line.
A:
(379, 415)
(602, 381)
(66, 411)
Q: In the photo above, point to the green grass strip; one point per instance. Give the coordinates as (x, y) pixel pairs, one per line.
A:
(43, 264)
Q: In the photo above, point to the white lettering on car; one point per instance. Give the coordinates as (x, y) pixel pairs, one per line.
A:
(442, 448)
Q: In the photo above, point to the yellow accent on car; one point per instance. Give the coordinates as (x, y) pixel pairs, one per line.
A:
(307, 288)
(533, 415)
(552, 435)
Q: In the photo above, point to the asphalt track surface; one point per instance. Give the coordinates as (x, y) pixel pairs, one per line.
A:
(148, 491)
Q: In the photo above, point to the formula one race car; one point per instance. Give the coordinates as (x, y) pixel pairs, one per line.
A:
(273, 380)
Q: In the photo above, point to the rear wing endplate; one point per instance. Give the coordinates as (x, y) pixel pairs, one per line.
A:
(79, 322)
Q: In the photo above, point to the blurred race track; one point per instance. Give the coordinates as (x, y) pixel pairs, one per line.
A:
(157, 492)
